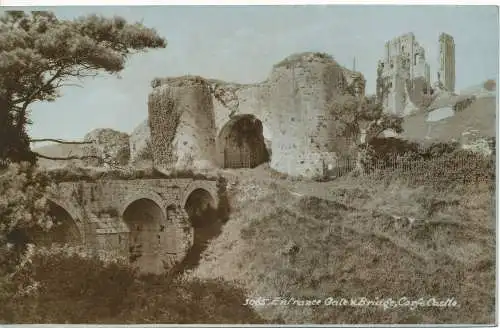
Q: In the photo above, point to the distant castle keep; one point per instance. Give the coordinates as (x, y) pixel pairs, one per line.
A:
(406, 72)
(447, 62)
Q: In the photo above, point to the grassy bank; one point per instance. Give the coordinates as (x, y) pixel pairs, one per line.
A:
(360, 237)
(414, 234)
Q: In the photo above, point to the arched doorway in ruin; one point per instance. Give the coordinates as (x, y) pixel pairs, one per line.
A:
(63, 230)
(204, 218)
(241, 143)
(147, 237)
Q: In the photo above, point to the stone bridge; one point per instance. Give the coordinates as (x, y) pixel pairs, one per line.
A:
(152, 222)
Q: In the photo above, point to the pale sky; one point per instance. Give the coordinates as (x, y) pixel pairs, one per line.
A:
(241, 43)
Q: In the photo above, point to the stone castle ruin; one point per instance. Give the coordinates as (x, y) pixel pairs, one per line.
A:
(162, 221)
(406, 73)
(200, 123)
(203, 123)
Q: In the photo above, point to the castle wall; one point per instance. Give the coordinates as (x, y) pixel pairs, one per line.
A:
(109, 144)
(303, 129)
(251, 99)
(237, 100)
(396, 76)
(139, 140)
(188, 116)
(404, 59)
(447, 61)
(422, 70)
(182, 124)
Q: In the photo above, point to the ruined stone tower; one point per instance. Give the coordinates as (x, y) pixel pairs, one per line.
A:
(404, 62)
(446, 75)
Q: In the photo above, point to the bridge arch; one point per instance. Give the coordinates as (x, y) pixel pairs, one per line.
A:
(200, 203)
(145, 219)
(200, 206)
(202, 185)
(151, 195)
(67, 226)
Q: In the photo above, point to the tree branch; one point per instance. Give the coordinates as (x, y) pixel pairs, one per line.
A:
(28, 99)
(62, 141)
(67, 158)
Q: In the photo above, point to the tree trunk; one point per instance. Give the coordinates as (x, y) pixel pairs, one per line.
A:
(359, 168)
(14, 141)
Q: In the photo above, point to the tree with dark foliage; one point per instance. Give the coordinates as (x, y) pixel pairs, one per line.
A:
(40, 54)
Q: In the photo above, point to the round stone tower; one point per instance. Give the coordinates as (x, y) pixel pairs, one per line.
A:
(304, 131)
(181, 119)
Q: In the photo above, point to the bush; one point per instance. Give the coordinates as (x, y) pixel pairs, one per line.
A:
(73, 289)
(23, 206)
(389, 146)
(393, 152)
(446, 171)
(439, 149)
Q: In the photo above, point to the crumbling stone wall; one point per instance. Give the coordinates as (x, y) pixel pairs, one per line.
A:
(252, 99)
(181, 120)
(292, 105)
(140, 143)
(108, 144)
(304, 130)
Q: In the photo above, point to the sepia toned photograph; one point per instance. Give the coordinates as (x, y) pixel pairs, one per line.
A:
(248, 164)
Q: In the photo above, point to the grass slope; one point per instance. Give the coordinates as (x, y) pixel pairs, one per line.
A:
(358, 238)
(481, 115)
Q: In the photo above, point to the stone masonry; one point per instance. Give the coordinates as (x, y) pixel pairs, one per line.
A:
(187, 116)
(144, 220)
(406, 73)
(404, 64)
(447, 62)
